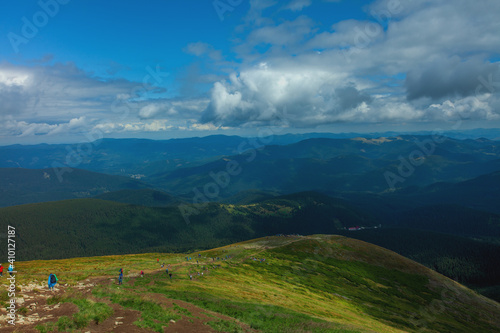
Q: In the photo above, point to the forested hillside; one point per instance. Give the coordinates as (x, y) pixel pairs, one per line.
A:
(86, 227)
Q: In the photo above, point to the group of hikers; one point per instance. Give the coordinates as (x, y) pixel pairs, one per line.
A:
(166, 269)
(120, 275)
(52, 281)
(257, 259)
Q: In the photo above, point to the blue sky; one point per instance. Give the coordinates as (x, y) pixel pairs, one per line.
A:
(73, 70)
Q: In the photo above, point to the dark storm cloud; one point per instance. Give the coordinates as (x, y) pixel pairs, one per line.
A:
(448, 78)
(350, 97)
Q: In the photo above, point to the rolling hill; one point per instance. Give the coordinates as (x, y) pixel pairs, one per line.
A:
(20, 186)
(317, 283)
(284, 165)
(335, 166)
(141, 197)
(468, 208)
(83, 227)
(481, 193)
(341, 165)
(473, 262)
(120, 156)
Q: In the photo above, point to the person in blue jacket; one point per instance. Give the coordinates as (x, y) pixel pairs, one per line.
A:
(52, 281)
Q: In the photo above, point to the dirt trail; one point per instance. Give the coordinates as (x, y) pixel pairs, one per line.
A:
(39, 312)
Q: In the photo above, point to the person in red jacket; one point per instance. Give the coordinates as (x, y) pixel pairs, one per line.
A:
(1, 270)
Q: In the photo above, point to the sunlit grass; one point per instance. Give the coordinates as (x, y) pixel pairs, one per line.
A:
(305, 284)
(88, 311)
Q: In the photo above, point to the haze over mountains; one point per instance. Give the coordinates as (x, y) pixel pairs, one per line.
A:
(126, 156)
(177, 166)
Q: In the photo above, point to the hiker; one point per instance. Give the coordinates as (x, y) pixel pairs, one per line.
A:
(142, 273)
(120, 278)
(166, 270)
(121, 270)
(11, 269)
(170, 275)
(1, 270)
(158, 260)
(52, 281)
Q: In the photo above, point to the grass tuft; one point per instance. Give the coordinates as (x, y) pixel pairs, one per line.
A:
(225, 326)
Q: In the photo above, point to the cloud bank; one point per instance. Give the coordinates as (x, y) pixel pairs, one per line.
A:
(405, 62)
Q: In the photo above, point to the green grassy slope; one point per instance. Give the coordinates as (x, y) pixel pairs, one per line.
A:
(473, 262)
(85, 227)
(316, 283)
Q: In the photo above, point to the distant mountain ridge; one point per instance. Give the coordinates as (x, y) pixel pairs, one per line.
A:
(21, 186)
(342, 165)
(334, 166)
(480, 193)
(132, 156)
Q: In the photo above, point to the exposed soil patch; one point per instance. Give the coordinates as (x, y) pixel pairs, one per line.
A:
(34, 299)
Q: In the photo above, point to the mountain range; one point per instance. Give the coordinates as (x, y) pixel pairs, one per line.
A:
(136, 196)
